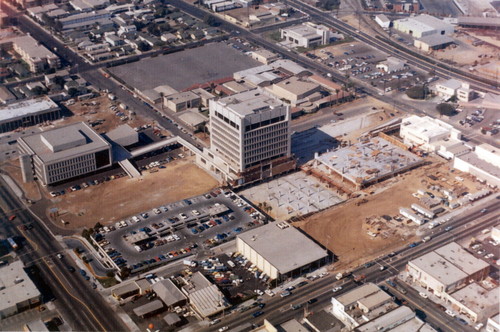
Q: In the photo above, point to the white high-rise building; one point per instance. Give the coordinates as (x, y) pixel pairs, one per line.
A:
(250, 137)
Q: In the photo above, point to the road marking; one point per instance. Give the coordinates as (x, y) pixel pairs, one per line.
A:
(76, 298)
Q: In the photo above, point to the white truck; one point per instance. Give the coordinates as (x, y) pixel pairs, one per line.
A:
(339, 276)
(189, 263)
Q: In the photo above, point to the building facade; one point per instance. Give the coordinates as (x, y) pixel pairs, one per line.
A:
(250, 137)
(423, 25)
(37, 56)
(28, 113)
(306, 35)
(63, 153)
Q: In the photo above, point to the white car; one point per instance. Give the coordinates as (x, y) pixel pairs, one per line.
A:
(183, 216)
(195, 212)
(336, 289)
(450, 313)
(478, 326)
(215, 321)
(156, 211)
(224, 328)
(259, 292)
(422, 294)
(269, 292)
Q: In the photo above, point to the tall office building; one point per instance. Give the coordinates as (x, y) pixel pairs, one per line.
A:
(250, 138)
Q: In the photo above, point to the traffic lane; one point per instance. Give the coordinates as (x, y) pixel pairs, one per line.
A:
(46, 247)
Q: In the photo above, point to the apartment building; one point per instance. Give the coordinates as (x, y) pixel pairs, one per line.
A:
(37, 56)
(250, 137)
(63, 153)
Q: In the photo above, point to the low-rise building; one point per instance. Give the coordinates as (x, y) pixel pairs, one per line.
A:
(306, 35)
(483, 163)
(449, 88)
(475, 302)
(181, 101)
(388, 321)
(37, 56)
(17, 292)
(446, 269)
(264, 56)
(168, 292)
(493, 324)
(433, 42)
(28, 113)
(362, 304)
(269, 248)
(204, 297)
(383, 21)
(423, 25)
(392, 65)
(294, 90)
(6, 96)
(63, 153)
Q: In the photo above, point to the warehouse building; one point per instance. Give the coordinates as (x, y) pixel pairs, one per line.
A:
(168, 292)
(250, 138)
(28, 113)
(446, 269)
(204, 297)
(483, 163)
(433, 42)
(423, 25)
(17, 292)
(63, 153)
(270, 249)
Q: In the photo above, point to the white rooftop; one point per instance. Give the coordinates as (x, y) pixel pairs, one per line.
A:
(425, 22)
(477, 299)
(26, 107)
(274, 244)
(357, 294)
(250, 102)
(426, 126)
(400, 314)
(455, 254)
(452, 84)
(15, 285)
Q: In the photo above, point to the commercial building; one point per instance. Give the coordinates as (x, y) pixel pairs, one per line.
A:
(250, 138)
(63, 153)
(17, 291)
(449, 88)
(281, 251)
(37, 56)
(493, 324)
(168, 292)
(475, 302)
(82, 20)
(483, 163)
(264, 56)
(423, 25)
(181, 101)
(366, 163)
(204, 297)
(295, 90)
(306, 35)
(479, 22)
(431, 135)
(392, 65)
(149, 309)
(433, 42)
(361, 305)
(446, 269)
(388, 321)
(6, 96)
(28, 113)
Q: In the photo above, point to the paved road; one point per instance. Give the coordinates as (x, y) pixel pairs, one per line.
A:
(83, 308)
(321, 289)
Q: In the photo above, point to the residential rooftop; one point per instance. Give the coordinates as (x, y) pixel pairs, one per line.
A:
(274, 245)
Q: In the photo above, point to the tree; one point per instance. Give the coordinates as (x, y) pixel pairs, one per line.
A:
(210, 20)
(445, 109)
(143, 47)
(417, 92)
(37, 90)
(110, 274)
(73, 92)
(97, 225)
(59, 80)
(329, 4)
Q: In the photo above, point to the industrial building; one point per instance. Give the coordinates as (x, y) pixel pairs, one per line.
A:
(423, 211)
(17, 291)
(383, 21)
(168, 292)
(37, 56)
(306, 35)
(63, 153)
(361, 305)
(204, 297)
(281, 251)
(446, 269)
(250, 138)
(475, 302)
(295, 90)
(483, 163)
(365, 163)
(392, 65)
(479, 22)
(433, 42)
(423, 25)
(28, 113)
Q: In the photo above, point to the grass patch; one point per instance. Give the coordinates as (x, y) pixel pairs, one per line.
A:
(108, 282)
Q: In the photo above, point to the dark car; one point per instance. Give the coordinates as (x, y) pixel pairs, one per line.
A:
(83, 273)
(261, 305)
(257, 313)
(367, 265)
(413, 245)
(311, 301)
(302, 284)
(71, 269)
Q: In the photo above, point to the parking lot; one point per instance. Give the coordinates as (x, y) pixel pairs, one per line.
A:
(178, 229)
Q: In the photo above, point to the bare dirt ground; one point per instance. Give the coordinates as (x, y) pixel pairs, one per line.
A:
(343, 229)
(86, 112)
(121, 198)
(32, 190)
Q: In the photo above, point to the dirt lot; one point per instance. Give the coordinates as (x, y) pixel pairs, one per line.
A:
(98, 108)
(343, 229)
(121, 198)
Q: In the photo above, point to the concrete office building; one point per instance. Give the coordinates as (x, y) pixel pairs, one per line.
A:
(28, 113)
(63, 153)
(37, 56)
(446, 269)
(306, 35)
(281, 251)
(423, 25)
(17, 291)
(250, 138)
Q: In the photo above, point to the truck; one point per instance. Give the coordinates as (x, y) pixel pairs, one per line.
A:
(12, 243)
(359, 278)
(339, 276)
(189, 263)
(111, 96)
(123, 106)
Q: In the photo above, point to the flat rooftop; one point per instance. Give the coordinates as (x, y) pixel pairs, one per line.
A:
(366, 162)
(477, 299)
(426, 126)
(458, 256)
(400, 314)
(357, 294)
(274, 244)
(182, 70)
(31, 46)
(17, 285)
(250, 102)
(204, 296)
(64, 142)
(26, 107)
